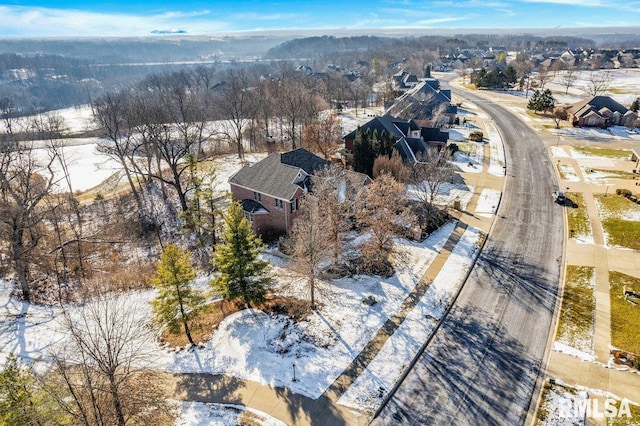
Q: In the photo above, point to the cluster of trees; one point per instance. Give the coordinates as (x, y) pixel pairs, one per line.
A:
(240, 275)
(100, 377)
(495, 78)
(369, 145)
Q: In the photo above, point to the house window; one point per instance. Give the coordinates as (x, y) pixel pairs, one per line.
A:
(279, 204)
(294, 205)
(256, 196)
(249, 217)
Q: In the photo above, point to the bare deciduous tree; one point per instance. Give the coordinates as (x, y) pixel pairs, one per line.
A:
(101, 376)
(569, 77)
(323, 136)
(431, 172)
(597, 83)
(385, 214)
(311, 241)
(25, 181)
(234, 105)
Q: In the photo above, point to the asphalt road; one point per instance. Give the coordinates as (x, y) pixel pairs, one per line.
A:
(482, 364)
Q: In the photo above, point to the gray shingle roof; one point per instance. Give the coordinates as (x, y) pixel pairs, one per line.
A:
(279, 175)
(596, 104)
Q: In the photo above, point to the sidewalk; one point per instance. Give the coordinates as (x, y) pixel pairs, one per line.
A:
(593, 376)
(295, 409)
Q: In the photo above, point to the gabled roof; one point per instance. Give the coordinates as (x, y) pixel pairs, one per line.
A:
(279, 175)
(421, 100)
(387, 123)
(433, 134)
(303, 159)
(596, 103)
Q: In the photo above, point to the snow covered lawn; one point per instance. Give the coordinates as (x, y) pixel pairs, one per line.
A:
(251, 344)
(447, 194)
(469, 158)
(559, 152)
(557, 405)
(256, 346)
(498, 162)
(488, 202)
(207, 414)
(370, 388)
(568, 173)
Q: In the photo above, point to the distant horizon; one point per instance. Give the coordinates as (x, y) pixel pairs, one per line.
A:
(137, 18)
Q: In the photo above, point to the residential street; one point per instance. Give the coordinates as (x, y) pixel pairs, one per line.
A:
(482, 364)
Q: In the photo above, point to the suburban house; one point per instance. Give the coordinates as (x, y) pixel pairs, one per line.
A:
(270, 190)
(601, 111)
(411, 138)
(425, 101)
(402, 80)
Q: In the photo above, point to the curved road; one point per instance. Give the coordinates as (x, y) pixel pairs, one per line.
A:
(482, 364)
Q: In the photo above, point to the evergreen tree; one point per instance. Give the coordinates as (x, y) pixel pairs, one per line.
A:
(22, 402)
(541, 101)
(177, 302)
(427, 71)
(242, 274)
(362, 152)
(635, 105)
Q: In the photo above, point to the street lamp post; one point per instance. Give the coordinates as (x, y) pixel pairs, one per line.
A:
(294, 372)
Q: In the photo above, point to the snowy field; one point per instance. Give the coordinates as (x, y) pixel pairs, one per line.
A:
(488, 202)
(371, 387)
(624, 87)
(203, 414)
(87, 167)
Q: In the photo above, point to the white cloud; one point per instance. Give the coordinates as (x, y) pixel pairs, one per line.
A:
(586, 3)
(47, 22)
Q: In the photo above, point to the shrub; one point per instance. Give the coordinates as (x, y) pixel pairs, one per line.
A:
(623, 191)
(476, 136)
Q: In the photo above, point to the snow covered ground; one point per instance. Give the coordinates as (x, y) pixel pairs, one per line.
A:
(207, 414)
(559, 152)
(370, 388)
(558, 404)
(87, 167)
(447, 193)
(497, 161)
(488, 202)
(256, 346)
(569, 173)
(469, 158)
(624, 87)
(610, 134)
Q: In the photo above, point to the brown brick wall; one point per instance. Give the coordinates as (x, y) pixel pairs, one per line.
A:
(276, 221)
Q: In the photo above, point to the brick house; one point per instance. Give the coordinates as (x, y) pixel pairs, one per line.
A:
(411, 138)
(601, 111)
(270, 191)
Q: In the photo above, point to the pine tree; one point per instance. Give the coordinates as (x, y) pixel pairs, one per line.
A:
(22, 402)
(242, 274)
(177, 302)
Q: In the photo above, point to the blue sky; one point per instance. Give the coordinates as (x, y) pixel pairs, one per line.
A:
(25, 18)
